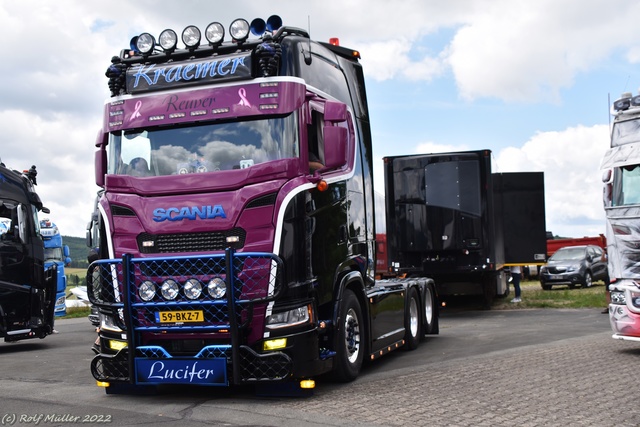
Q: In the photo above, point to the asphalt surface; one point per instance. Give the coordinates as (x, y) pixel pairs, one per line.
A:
(486, 368)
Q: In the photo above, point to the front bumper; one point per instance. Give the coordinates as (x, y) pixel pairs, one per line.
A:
(573, 278)
(154, 365)
(624, 316)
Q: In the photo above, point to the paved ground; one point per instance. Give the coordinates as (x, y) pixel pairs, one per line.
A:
(487, 368)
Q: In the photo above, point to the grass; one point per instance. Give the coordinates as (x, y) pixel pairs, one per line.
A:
(558, 297)
(75, 312)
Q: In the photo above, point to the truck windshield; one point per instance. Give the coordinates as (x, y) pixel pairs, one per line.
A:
(626, 186)
(53, 254)
(625, 132)
(202, 148)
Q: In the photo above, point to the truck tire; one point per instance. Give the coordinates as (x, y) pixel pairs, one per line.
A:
(412, 321)
(350, 349)
(430, 318)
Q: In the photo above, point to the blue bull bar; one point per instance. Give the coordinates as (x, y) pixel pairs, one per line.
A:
(213, 297)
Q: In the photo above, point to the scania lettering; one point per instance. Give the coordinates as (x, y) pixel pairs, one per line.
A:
(235, 225)
(27, 287)
(621, 178)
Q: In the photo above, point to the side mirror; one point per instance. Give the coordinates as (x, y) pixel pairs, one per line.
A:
(335, 112)
(100, 162)
(335, 146)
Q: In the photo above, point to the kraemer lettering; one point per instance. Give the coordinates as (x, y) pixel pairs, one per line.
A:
(154, 77)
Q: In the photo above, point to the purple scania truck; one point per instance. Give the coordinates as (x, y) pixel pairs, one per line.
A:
(235, 231)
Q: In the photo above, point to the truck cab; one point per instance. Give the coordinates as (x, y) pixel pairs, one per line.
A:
(236, 225)
(27, 288)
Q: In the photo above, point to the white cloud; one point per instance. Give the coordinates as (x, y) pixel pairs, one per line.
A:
(528, 51)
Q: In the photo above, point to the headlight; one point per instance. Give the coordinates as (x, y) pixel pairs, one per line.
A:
(217, 288)
(297, 316)
(170, 289)
(635, 299)
(61, 301)
(147, 291)
(192, 289)
(543, 270)
(617, 297)
(108, 323)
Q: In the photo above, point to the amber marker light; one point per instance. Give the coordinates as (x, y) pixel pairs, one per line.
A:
(102, 384)
(322, 185)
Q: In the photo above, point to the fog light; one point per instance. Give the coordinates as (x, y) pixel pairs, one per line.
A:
(147, 290)
(169, 289)
(102, 384)
(117, 345)
(307, 384)
(217, 288)
(192, 289)
(274, 344)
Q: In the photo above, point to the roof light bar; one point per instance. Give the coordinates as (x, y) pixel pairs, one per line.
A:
(239, 30)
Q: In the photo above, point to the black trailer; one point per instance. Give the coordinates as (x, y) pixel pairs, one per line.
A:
(450, 218)
(27, 290)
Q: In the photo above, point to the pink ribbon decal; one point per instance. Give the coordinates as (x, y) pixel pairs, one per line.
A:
(136, 113)
(243, 98)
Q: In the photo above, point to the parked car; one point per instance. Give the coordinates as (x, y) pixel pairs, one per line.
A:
(575, 265)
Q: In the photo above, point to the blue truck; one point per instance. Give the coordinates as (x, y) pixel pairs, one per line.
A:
(56, 253)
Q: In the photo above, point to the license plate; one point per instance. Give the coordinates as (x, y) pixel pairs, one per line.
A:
(183, 316)
(555, 277)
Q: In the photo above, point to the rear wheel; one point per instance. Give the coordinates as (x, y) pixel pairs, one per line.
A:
(412, 326)
(430, 318)
(350, 352)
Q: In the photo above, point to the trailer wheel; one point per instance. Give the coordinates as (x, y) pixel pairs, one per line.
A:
(430, 318)
(350, 351)
(412, 324)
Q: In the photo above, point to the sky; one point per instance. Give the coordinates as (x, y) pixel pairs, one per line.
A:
(532, 81)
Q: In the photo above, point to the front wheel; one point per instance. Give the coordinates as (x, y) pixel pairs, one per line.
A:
(412, 325)
(350, 350)
(588, 280)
